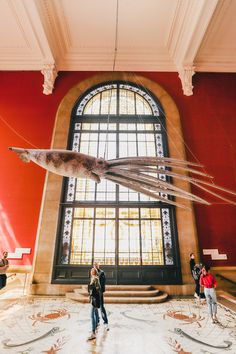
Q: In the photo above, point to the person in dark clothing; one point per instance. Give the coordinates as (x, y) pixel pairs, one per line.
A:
(4, 264)
(195, 272)
(94, 290)
(102, 280)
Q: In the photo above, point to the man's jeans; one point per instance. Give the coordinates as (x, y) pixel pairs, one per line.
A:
(3, 280)
(210, 294)
(197, 288)
(103, 311)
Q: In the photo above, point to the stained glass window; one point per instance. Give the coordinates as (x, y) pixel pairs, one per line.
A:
(105, 222)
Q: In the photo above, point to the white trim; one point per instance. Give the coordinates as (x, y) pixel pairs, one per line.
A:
(18, 253)
(214, 253)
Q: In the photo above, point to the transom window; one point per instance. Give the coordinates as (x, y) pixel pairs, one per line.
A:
(106, 222)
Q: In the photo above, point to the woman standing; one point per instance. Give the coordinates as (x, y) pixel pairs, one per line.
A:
(94, 290)
(209, 282)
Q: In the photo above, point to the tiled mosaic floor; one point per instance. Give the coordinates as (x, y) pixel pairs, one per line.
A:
(134, 329)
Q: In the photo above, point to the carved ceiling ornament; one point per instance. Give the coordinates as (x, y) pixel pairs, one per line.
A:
(49, 72)
(185, 75)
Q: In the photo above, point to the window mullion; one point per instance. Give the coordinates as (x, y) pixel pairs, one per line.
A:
(94, 223)
(140, 239)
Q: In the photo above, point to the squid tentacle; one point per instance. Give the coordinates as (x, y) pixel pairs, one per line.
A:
(153, 181)
(213, 193)
(195, 181)
(192, 180)
(123, 182)
(215, 186)
(157, 185)
(158, 171)
(157, 163)
(184, 177)
(155, 160)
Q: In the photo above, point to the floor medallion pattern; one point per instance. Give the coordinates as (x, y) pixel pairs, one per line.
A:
(61, 326)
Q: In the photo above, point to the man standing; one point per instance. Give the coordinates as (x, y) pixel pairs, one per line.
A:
(4, 264)
(195, 272)
(102, 279)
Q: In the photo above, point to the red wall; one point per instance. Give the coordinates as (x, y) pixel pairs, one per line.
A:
(209, 127)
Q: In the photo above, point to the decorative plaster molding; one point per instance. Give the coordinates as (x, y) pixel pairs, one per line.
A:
(185, 75)
(18, 254)
(27, 46)
(49, 72)
(190, 24)
(216, 65)
(214, 253)
(189, 27)
(50, 17)
(217, 50)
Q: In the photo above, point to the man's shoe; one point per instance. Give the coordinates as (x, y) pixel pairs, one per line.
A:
(196, 296)
(106, 327)
(92, 336)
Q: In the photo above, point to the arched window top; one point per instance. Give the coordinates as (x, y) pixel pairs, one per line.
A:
(118, 99)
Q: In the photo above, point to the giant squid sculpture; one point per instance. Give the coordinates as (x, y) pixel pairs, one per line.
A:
(141, 174)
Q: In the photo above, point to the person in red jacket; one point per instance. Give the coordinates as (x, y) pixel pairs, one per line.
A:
(208, 281)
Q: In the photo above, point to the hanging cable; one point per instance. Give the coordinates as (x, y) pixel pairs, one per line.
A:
(113, 69)
(116, 34)
(108, 121)
(172, 127)
(178, 135)
(15, 132)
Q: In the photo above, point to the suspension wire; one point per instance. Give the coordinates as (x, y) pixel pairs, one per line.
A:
(233, 150)
(113, 69)
(108, 122)
(174, 129)
(116, 34)
(15, 132)
(142, 88)
(141, 119)
(181, 138)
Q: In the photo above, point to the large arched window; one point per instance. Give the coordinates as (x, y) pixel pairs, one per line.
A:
(130, 234)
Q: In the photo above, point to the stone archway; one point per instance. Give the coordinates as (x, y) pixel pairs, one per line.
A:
(46, 238)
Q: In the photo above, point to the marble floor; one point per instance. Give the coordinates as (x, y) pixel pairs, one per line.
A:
(57, 325)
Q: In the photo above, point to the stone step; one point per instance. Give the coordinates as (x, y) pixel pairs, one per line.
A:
(124, 287)
(122, 293)
(121, 300)
(226, 295)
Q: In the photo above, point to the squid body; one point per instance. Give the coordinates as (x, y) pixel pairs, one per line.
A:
(142, 174)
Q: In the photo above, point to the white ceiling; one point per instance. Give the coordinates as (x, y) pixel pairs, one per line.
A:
(183, 36)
